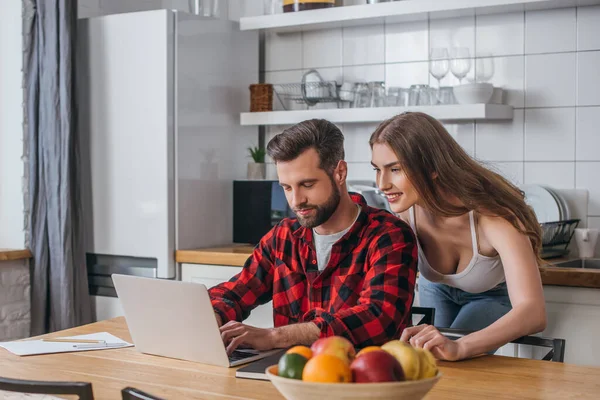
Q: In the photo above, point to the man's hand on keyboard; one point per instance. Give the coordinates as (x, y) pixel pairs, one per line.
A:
(238, 335)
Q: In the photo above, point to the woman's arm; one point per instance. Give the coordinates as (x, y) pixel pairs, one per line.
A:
(528, 314)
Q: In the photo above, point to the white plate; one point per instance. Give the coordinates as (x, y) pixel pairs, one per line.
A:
(566, 209)
(561, 206)
(544, 205)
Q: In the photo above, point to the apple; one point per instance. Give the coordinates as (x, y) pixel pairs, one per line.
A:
(336, 346)
(376, 366)
(407, 356)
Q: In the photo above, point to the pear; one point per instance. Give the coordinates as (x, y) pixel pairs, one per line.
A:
(427, 364)
(407, 356)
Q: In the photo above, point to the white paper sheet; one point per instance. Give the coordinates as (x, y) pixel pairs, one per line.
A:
(33, 347)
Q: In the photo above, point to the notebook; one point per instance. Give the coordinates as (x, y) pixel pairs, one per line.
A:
(34, 347)
(256, 369)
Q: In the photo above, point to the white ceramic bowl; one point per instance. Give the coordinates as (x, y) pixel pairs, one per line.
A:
(294, 389)
(474, 93)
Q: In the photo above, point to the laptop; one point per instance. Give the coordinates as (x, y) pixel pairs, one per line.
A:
(175, 319)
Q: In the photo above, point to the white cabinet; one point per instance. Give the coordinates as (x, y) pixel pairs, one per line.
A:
(574, 315)
(106, 307)
(212, 275)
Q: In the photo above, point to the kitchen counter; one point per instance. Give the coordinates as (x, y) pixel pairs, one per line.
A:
(236, 255)
(14, 254)
(229, 255)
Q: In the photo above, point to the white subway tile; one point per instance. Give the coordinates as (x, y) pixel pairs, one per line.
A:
(586, 177)
(587, 142)
(588, 78)
(407, 41)
(407, 74)
(513, 171)
(559, 175)
(464, 134)
(502, 140)
(283, 51)
(500, 34)
(508, 75)
(550, 31)
(356, 142)
(453, 32)
(588, 28)
(322, 48)
(550, 80)
(550, 134)
(363, 45)
(364, 73)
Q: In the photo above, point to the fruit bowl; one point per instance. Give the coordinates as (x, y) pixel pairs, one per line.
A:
(295, 389)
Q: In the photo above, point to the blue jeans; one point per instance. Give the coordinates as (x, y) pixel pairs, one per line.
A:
(457, 309)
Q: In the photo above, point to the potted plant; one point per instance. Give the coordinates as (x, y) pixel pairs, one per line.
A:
(258, 168)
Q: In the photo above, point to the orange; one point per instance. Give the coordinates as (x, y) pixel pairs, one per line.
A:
(326, 368)
(302, 350)
(367, 349)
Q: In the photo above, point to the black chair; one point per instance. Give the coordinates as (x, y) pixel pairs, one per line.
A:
(428, 314)
(130, 393)
(81, 389)
(556, 346)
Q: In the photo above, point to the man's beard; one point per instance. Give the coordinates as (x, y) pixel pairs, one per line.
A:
(323, 211)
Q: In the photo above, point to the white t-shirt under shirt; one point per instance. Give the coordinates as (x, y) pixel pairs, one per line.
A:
(324, 243)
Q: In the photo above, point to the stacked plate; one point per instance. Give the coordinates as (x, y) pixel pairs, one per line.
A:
(548, 204)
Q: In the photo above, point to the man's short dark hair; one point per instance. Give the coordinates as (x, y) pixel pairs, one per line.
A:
(319, 134)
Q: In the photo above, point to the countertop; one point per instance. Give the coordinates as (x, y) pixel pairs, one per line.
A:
(14, 254)
(487, 377)
(236, 256)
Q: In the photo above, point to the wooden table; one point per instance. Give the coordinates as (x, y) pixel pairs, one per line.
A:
(490, 377)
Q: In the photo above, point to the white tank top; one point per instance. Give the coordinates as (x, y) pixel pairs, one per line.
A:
(482, 274)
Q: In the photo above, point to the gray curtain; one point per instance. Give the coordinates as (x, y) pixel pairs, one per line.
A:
(59, 288)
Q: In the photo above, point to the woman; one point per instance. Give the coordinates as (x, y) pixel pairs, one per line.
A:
(479, 242)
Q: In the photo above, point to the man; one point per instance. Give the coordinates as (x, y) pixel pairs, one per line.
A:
(341, 268)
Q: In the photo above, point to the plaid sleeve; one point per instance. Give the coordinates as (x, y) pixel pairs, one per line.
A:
(386, 297)
(233, 300)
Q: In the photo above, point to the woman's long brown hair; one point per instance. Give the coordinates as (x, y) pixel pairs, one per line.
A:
(426, 149)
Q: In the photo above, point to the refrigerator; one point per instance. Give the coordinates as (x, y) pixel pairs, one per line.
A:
(159, 95)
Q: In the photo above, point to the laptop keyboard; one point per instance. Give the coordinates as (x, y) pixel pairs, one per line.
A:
(239, 355)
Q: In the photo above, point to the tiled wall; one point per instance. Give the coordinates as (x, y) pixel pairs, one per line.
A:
(548, 62)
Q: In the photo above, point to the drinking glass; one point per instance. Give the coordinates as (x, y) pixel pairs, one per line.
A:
(273, 7)
(361, 96)
(460, 62)
(484, 68)
(439, 63)
(377, 91)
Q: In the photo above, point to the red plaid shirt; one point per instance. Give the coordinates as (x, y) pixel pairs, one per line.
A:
(364, 294)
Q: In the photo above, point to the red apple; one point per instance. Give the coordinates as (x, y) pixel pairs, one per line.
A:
(376, 366)
(336, 346)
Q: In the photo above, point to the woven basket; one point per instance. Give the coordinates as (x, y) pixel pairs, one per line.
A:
(261, 97)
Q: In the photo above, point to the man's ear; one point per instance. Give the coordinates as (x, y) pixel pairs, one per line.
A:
(341, 172)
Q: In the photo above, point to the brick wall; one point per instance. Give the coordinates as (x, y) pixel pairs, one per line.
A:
(14, 300)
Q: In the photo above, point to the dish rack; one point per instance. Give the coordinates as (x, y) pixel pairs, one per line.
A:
(309, 93)
(556, 237)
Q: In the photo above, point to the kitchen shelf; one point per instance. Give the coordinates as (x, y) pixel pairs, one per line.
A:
(378, 114)
(396, 11)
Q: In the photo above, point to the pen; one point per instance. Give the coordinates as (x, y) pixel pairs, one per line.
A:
(73, 341)
(98, 346)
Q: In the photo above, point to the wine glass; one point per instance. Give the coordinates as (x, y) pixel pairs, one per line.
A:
(484, 68)
(438, 63)
(460, 62)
